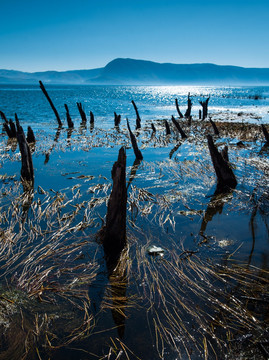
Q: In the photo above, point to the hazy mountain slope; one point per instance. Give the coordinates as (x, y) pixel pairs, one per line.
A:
(141, 72)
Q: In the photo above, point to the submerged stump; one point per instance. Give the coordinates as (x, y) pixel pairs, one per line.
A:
(42, 87)
(182, 133)
(114, 239)
(137, 152)
(138, 119)
(27, 171)
(225, 177)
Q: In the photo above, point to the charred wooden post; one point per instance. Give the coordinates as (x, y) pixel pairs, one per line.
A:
(265, 133)
(68, 118)
(138, 119)
(3, 117)
(188, 111)
(114, 239)
(8, 131)
(216, 130)
(225, 177)
(27, 171)
(153, 128)
(137, 152)
(182, 133)
(167, 127)
(178, 110)
(204, 105)
(200, 114)
(82, 113)
(30, 136)
(42, 87)
(12, 128)
(117, 119)
(91, 118)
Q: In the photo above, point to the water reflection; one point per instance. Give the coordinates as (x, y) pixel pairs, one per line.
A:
(117, 274)
(47, 155)
(214, 207)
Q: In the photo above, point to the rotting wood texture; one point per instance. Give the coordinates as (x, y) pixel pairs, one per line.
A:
(115, 228)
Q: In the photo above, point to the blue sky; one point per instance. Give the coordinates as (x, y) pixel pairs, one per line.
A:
(84, 34)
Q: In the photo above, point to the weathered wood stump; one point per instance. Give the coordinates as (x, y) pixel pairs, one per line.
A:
(265, 133)
(137, 152)
(91, 118)
(167, 127)
(188, 111)
(216, 130)
(27, 171)
(178, 110)
(82, 113)
(8, 126)
(117, 119)
(225, 177)
(204, 105)
(153, 128)
(182, 133)
(138, 119)
(68, 118)
(50, 102)
(114, 238)
(30, 136)
(200, 114)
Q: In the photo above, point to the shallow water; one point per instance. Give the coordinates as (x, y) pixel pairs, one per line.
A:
(170, 205)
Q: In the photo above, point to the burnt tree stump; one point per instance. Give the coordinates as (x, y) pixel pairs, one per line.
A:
(265, 133)
(182, 133)
(188, 111)
(91, 118)
(204, 105)
(153, 128)
(3, 117)
(82, 113)
(117, 119)
(216, 130)
(178, 110)
(68, 118)
(114, 239)
(138, 119)
(27, 171)
(30, 136)
(42, 87)
(225, 177)
(167, 127)
(137, 152)
(9, 126)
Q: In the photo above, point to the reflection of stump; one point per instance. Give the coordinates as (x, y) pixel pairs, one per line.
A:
(115, 229)
(225, 176)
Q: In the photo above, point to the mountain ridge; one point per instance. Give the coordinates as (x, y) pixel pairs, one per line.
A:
(126, 71)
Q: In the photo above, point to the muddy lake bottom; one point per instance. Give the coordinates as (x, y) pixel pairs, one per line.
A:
(205, 296)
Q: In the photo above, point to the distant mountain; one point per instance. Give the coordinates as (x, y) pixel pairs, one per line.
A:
(141, 72)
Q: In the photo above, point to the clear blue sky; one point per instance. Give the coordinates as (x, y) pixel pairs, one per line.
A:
(83, 34)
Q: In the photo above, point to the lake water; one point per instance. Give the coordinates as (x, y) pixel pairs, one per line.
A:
(154, 306)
